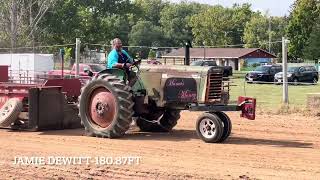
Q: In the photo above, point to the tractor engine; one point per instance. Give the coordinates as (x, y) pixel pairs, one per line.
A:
(181, 85)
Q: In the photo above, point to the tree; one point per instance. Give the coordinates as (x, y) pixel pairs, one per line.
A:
(19, 20)
(311, 50)
(174, 21)
(211, 26)
(149, 10)
(220, 26)
(301, 22)
(92, 21)
(144, 33)
(241, 15)
(256, 32)
(278, 30)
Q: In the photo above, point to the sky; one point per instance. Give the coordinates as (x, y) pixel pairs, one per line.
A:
(275, 7)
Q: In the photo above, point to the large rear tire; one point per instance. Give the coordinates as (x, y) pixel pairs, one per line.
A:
(168, 120)
(106, 107)
(10, 111)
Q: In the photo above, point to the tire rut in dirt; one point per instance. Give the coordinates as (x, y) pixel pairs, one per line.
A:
(123, 105)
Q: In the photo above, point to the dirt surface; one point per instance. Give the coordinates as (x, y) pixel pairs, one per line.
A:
(271, 147)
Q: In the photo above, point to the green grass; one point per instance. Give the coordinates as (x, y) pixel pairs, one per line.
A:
(269, 96)
(239, 74)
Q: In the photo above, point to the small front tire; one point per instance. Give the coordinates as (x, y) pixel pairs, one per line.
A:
(315, 80)
(209, 128)
(227, 125)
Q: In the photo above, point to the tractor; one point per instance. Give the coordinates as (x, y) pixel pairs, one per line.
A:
(153, 97)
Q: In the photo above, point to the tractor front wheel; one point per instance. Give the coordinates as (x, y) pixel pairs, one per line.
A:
(209, 128)
(106, 107)
(227, 125)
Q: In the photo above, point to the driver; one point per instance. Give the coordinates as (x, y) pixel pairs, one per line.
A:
(118, 58)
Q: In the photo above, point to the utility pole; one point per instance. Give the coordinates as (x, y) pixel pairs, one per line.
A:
(78, 42)
(204, 50)
(285, 69)
(62, 62)
(187, 54)
(270, 34)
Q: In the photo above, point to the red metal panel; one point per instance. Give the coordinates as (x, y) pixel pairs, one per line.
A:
(8, 91)
(70, 86)
(4, 75)
(248, 107)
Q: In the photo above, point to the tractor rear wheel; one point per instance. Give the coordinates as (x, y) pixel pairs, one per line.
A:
(168, 120)
(10, 111)
(106, 107)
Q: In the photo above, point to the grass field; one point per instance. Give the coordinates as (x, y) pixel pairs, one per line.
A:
(269, 96)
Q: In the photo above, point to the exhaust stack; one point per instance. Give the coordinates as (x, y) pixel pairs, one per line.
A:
(187, 53)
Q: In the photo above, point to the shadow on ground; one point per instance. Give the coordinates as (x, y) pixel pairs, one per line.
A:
(187, 135)
(267, 142)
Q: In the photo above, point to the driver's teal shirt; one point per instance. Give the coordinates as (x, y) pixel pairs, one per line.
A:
(114, 58)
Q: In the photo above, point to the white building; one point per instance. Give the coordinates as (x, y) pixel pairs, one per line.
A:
(24, 68)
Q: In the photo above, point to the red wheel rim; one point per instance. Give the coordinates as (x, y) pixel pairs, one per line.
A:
(102, 107)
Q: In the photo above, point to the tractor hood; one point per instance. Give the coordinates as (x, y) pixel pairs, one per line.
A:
(179, 84)
(179, 70)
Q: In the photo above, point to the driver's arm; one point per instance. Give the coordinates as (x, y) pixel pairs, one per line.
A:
(118, 65)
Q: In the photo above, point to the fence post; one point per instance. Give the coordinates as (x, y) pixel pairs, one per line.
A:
(285, 67)
(62, 62)
(77, 55)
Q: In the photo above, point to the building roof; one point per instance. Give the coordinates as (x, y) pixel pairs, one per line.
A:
(223, 53)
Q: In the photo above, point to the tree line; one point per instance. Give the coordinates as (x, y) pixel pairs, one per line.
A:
(159, 23)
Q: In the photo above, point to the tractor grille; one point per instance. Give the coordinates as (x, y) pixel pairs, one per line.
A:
(214, 88)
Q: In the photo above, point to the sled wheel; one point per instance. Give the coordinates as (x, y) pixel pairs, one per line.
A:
(10, 112)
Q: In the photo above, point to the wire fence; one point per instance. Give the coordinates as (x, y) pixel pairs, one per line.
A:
(268, 94)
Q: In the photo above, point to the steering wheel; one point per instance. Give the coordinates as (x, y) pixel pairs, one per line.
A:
(135, 64)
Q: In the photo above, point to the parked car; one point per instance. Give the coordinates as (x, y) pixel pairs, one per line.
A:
(299, 74)
(263, 73)
(227, 69)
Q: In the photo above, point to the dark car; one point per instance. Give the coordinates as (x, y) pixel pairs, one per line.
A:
(263, 73)
(227, 69)
(299, 74)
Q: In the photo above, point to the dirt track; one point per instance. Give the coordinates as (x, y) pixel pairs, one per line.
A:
(271, 147)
